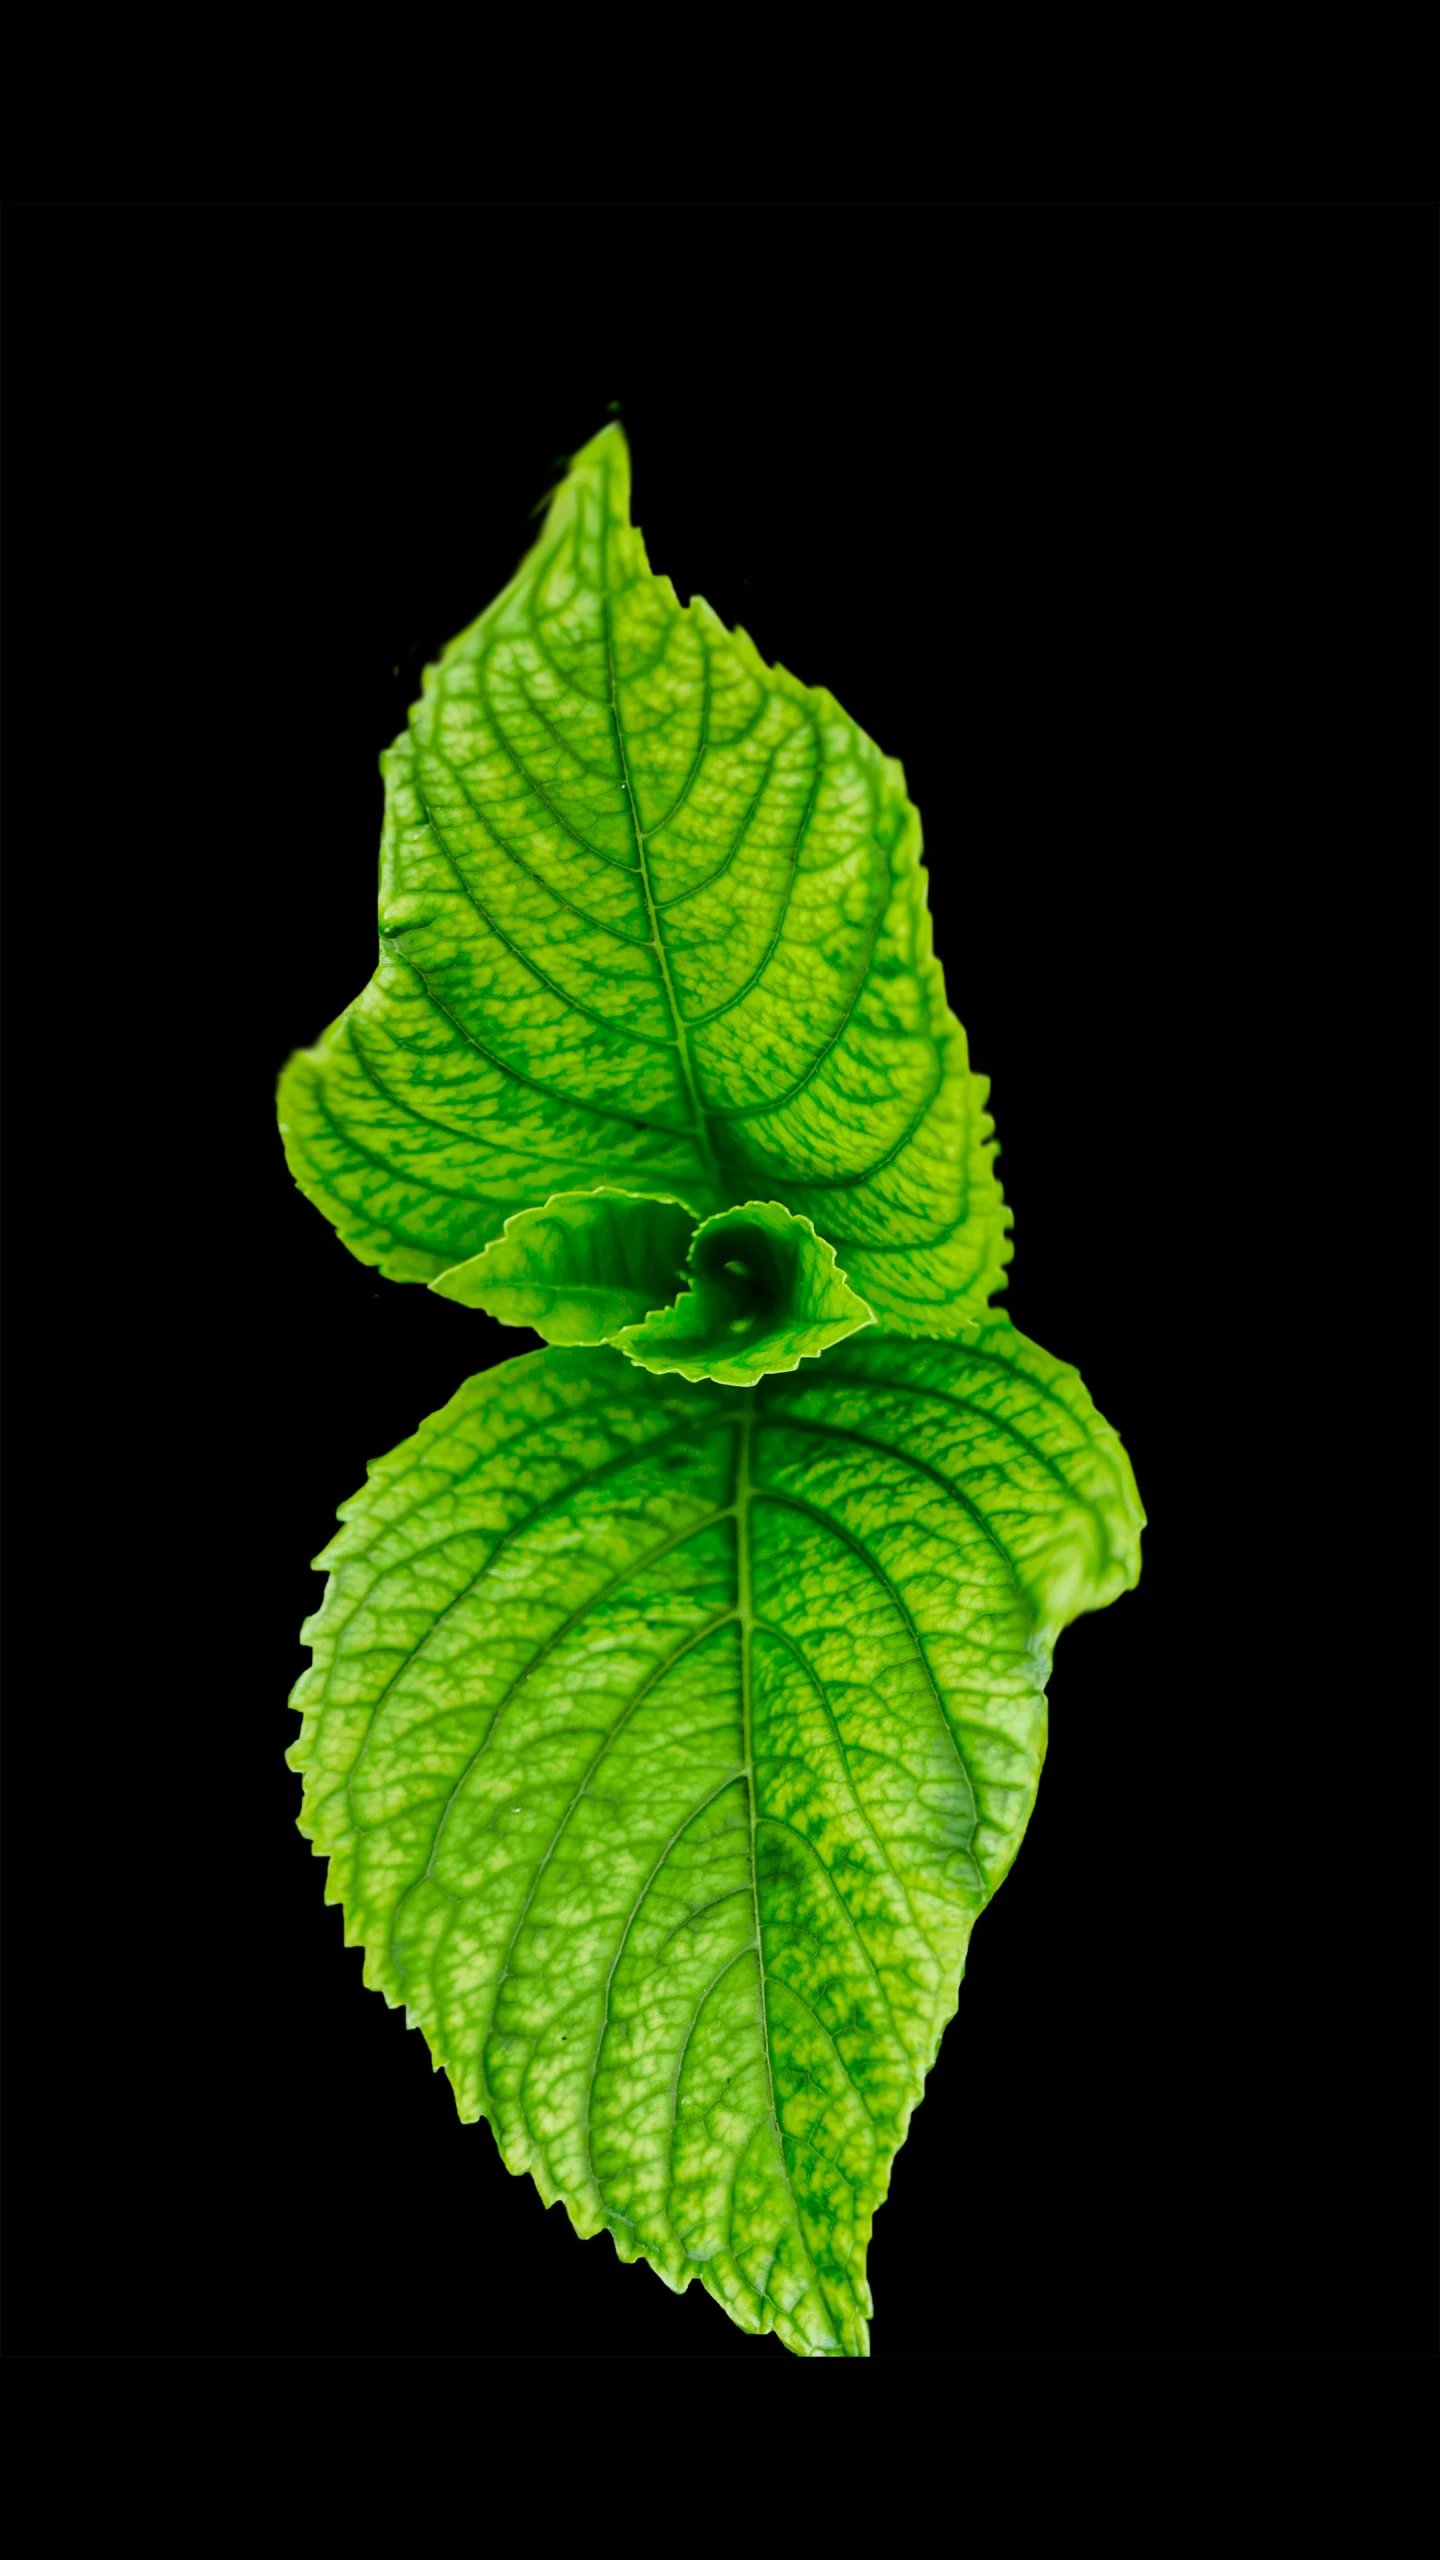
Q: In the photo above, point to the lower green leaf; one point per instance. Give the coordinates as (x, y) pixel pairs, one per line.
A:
(666, 1741)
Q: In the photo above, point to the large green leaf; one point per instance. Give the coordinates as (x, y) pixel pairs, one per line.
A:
(666, 1740)
(652, 915)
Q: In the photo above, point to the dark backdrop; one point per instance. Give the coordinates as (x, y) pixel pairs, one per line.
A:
(1118, 528)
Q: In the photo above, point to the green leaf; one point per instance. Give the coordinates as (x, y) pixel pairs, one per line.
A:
(580, 1269)
(666, 1740)
(742, 1294)
(651, 917)
(766, 1295)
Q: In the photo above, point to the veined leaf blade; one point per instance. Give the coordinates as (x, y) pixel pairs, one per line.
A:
(666, 1741)
(653, 917)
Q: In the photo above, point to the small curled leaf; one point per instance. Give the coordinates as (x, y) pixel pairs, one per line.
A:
(765, 1294)
(581, 1268)
(737, 1298)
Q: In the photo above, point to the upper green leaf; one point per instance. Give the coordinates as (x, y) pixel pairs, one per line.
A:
(666, 1740)
(652, 916)
(581, 1268)
(765, 1295)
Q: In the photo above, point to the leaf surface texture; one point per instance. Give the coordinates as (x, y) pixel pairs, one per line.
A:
(666, 1740)
(651, 916)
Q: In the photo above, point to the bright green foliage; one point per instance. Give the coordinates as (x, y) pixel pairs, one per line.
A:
(737, 1296)
(581, 1268)
(677, 1700)
(651, 916)
(765, 1295)
(666, 1740)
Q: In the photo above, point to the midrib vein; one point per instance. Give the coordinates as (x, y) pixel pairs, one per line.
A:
(745, 1612)
(677, 1019)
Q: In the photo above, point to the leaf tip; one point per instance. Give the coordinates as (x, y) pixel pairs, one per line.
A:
(606, 459)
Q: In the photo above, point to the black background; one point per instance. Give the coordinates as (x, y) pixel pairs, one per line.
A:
(1118, 528)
